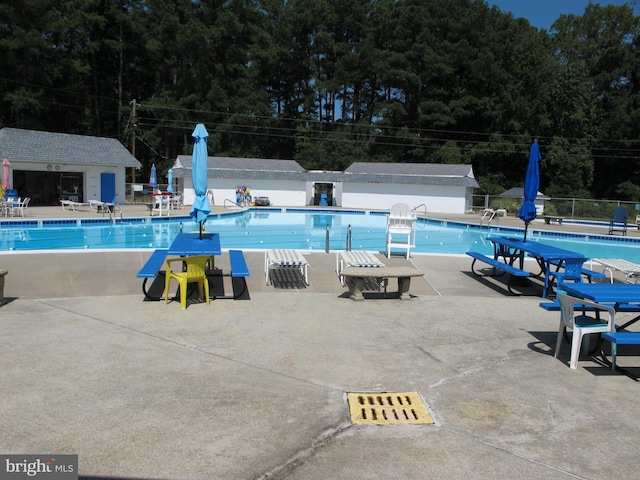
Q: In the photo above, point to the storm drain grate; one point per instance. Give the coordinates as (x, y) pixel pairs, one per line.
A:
(398, 408)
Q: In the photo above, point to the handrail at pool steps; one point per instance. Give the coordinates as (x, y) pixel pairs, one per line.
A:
(235, 204)
(415, 209)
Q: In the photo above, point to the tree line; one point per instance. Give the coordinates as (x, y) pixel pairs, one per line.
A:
(328, 82)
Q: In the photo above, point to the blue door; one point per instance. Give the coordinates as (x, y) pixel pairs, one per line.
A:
(108, 187)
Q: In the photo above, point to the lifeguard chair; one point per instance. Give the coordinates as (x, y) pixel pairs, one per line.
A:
(400, 222)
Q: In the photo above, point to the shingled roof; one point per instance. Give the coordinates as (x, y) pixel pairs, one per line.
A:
(413, 173)
(248, 164)
(34, 146)
(358, 172)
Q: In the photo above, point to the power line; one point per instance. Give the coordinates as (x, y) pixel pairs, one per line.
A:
(380, 139)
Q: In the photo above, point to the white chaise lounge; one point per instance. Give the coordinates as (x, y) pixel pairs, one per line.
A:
(355, 259)
(282, 258)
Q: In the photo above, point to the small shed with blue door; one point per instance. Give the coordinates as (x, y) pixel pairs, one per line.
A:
(49, 166)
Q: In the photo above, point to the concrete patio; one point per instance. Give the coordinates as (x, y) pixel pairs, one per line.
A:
(255, 388)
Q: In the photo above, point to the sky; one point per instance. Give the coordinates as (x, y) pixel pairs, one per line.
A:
(542, 13)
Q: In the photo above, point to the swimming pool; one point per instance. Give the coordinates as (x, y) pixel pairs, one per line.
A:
(296, 228)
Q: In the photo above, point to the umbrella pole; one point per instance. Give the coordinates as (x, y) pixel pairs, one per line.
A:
(526, 227)
(200, 230)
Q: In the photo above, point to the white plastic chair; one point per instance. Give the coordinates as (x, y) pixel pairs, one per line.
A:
(581, 324)
(400, 222)
(21, 207)
(176, 201)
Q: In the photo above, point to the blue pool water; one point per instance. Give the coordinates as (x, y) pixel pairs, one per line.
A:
(301, 229)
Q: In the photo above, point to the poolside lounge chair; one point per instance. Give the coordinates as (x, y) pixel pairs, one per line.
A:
(69, 205)
(582, 324)
(96, 205)
(285, 259)
(618, 221)
(195, 273)
(400, 222)
(355, 259)
(631, 270)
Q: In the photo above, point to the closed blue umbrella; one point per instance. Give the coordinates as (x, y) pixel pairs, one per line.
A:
(153, 178)
(201, 208)
(531, 186)
(170, 180)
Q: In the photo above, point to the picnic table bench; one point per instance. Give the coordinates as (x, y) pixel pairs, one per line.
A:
(238, 269)
(497, 266)
(150, 270)
(3, 273)
(548, 219)
(355, 277)
(555, 307)
(620, 338)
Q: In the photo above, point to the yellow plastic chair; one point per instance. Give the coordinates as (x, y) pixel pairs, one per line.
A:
(194, 272)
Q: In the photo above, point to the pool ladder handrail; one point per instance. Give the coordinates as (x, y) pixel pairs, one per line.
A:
(492, 214)
(232, 202)
(415, 209)
(112, 217)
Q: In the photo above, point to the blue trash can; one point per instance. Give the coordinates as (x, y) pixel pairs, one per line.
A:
(323, 199)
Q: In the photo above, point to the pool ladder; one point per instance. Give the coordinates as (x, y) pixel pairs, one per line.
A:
(490, 214)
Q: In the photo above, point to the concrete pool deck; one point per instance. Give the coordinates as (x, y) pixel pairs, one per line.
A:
(255, 388)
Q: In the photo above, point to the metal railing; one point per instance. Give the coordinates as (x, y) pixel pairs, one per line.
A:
(570, 208)
(415, 209)
(228, 200)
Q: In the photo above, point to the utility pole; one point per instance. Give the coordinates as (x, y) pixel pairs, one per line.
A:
(134, 125)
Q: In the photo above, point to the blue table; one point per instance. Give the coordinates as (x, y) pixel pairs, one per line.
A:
(187, 244)
(623, 296)
(511, 249)
(605, 292)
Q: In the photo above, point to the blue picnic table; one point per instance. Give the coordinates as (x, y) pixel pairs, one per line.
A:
(188, 244)
(512, 249)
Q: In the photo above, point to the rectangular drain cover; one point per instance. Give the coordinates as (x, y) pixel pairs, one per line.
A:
(398, 408)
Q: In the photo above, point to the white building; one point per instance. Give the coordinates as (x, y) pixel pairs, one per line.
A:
(49, 167)
(440, 188)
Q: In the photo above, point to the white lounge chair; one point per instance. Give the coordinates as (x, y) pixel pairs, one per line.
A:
(285, 259)
(400, 222)
(73, 206)
(96, 205)
(355, 259)
(631, 270)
